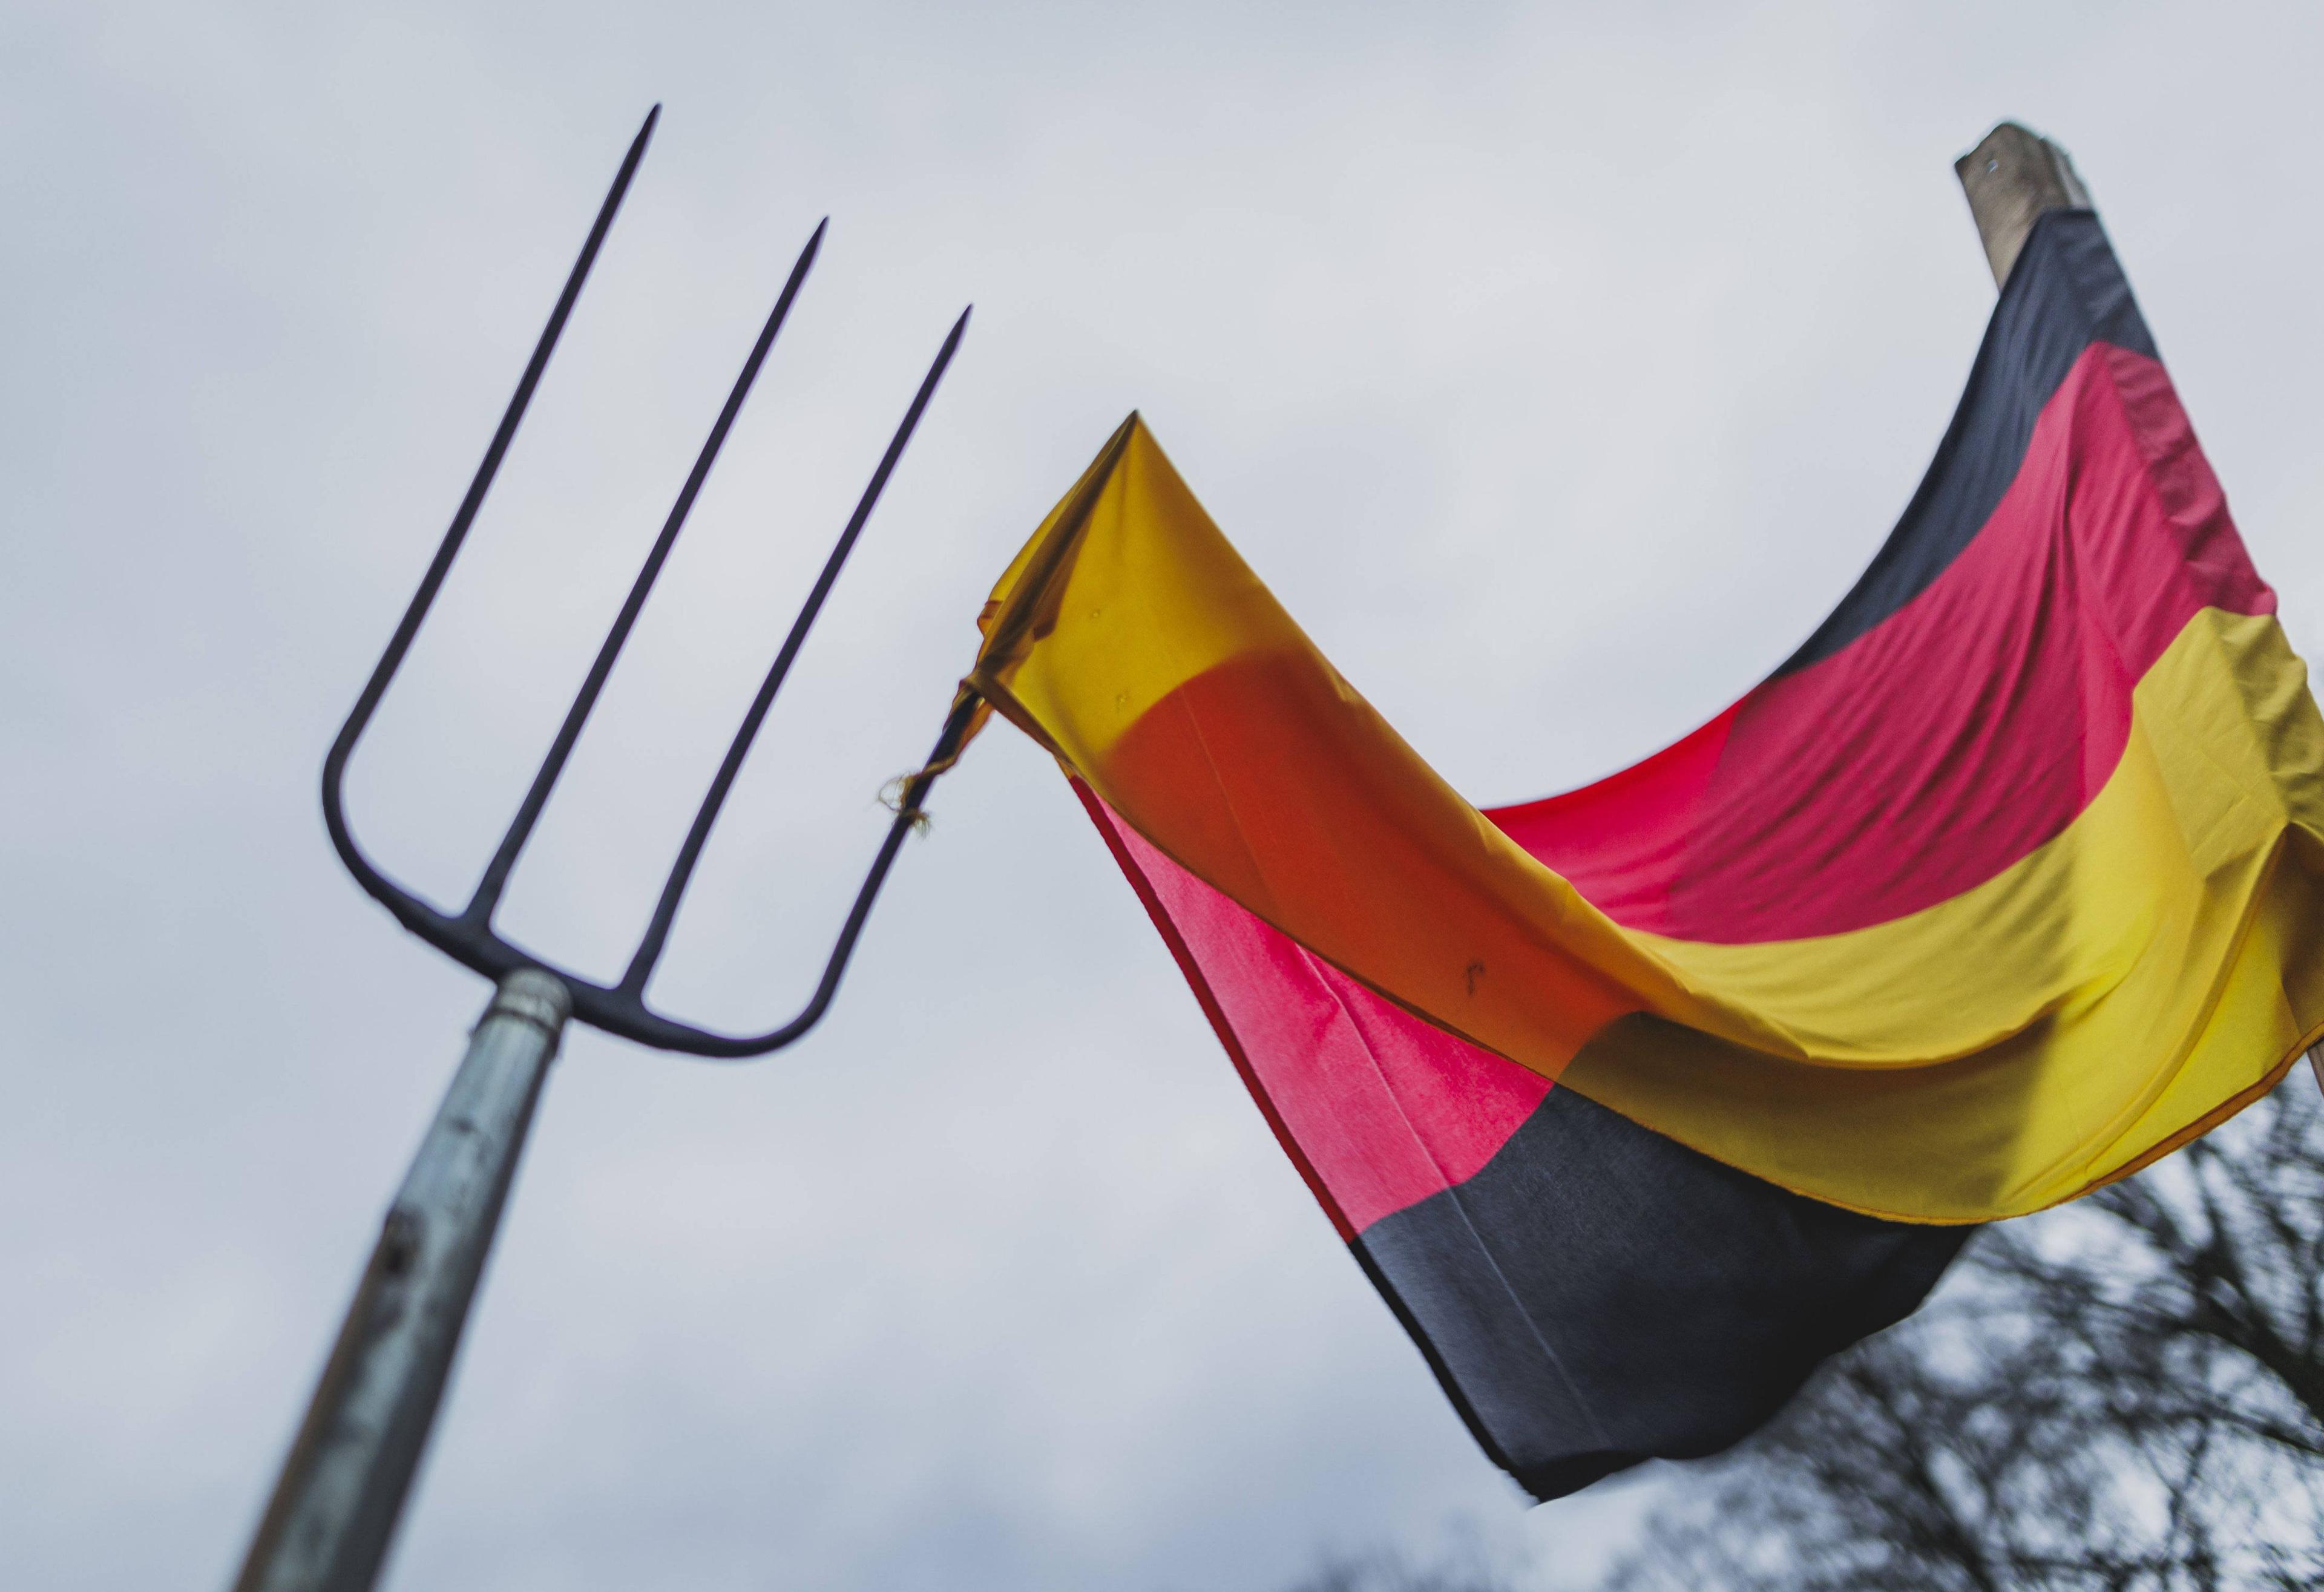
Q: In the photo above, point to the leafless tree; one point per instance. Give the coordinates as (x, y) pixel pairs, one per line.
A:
(2123, 1395)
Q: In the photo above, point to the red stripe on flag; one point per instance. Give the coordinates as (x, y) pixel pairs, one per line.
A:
(1378, 1109)
(1955, 737)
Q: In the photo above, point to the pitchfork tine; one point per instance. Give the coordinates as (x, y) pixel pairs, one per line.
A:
(681, 872)
(335, 763)
(487, 897)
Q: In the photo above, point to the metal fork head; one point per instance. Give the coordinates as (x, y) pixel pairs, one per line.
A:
(468, 935)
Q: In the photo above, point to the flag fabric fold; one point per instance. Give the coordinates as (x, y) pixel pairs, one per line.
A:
(1638, 1102)
(1589, 1292)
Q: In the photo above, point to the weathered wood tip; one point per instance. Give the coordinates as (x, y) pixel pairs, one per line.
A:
(2011, 177)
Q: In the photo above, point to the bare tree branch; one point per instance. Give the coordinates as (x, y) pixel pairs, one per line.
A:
(2125, 1395)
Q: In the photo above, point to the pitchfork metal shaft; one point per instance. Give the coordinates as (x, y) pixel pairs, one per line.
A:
(333, 1514)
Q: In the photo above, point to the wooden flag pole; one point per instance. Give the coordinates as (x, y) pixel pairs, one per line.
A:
(2011, 178)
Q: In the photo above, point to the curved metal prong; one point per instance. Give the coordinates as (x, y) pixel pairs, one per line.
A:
(408, 909)
(618, 1010)
(909, 813)
(481, 905)
(681, 872)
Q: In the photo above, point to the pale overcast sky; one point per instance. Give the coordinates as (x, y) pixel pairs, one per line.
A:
(1557, 365)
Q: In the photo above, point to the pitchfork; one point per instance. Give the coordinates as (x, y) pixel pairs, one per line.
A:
(335, 1507)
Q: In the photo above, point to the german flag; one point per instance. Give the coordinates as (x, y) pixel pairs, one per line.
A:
(2007, 882)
